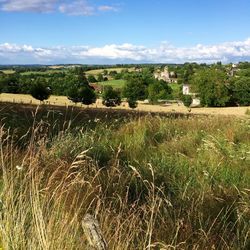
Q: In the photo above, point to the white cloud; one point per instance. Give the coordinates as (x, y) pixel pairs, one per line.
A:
(75, 7)
(28, 5)
(107, 8)
(164, 53)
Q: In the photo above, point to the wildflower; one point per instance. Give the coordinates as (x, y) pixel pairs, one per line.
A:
(206, 174)
(19, 168)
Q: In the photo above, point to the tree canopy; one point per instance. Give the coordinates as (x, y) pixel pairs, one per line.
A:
(111, 97)
(211, 86)
(40, 90)
(159, 90)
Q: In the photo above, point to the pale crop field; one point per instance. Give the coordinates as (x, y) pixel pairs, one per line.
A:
(168, 108)
(47, 72)
(98, 71)
(8, 71)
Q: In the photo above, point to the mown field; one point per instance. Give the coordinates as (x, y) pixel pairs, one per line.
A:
(116, 84)
(143, 107)
(98, 71)
(8, 71)
(152, 182)
(47, 72)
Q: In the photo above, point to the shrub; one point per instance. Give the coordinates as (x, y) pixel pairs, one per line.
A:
(187, 100)
(40, 91)
(159, 90)
(92, 79)
(87, 95)
(132, 103)
(111, 97)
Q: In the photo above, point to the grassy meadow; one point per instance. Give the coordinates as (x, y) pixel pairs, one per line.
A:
(152, 182)
(116, 84)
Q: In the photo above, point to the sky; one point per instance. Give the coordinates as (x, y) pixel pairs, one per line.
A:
(124, 31)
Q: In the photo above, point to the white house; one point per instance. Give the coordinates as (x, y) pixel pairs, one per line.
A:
(186, 89)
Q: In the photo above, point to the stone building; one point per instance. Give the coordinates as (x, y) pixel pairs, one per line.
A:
(165, 75)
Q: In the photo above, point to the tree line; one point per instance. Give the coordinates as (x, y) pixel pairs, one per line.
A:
(216, 85)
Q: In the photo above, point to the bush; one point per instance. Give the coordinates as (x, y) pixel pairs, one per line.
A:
(87, 95)
(132, 103)
(111, 97)
(211, 86)
(159, 90)
(92, 79)
(187, 100)
(241, 91)
(40, 91)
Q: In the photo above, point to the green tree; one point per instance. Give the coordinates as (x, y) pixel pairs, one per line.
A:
(187, 100)
(105, 72)
(87, 95)
(159, 90)
(100, 78)
(10, 83)
(79, 90)
(113, 73)
(132, 103)
(241, 91)
(211, 87)
(80, 74)
(134, 89)
(74, 94)
(111, 97)
(92, 79)
(39, 90)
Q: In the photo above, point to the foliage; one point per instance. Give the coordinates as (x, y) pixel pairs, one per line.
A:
(9, 83)
(100, 78)
(80, 91)
(92, 79)
(80, 74)
(73, 94)
(241, 91)
(211, 86)
(159, 90)
(40, 90)
(187, 100)
(135, 89)
(152, 182)
(87, 95)
(111, 97)
(132, 103)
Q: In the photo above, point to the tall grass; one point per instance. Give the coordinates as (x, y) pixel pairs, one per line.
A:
(152, 183)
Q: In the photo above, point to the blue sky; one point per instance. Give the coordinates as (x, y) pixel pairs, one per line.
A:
(124, 31)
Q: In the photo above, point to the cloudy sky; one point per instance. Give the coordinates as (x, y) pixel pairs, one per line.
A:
(124, 31)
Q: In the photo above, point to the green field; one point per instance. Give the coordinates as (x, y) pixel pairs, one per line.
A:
(116, 84)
